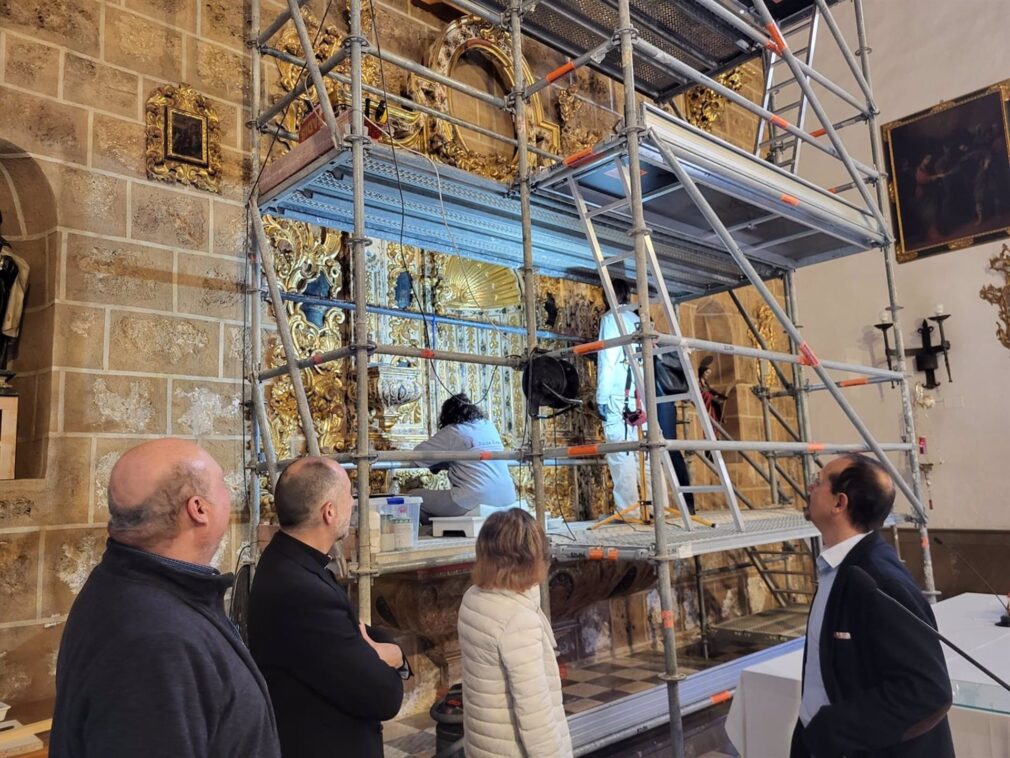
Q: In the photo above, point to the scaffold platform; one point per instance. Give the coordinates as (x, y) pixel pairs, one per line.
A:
(782, 222)
(631, 541)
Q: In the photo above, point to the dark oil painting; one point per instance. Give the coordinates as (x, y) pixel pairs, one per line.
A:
(950, 174)
(186, 136)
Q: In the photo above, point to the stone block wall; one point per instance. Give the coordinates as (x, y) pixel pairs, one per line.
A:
(133, 327)
(134, 324)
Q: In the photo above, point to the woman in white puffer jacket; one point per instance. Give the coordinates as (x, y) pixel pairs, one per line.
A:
(511, 685)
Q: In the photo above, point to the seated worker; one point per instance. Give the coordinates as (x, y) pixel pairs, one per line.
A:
(462, 426)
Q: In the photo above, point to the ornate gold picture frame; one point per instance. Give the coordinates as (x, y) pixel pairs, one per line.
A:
(949, 173)
(183, 138)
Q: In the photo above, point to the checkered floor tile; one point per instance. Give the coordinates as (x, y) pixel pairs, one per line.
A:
(409, 737)
(583, 687)
(587, 686)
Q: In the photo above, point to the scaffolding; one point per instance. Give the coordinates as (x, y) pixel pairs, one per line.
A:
(703, 216)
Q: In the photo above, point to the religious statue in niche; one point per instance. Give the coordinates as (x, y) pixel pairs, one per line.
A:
(766, 325)
(183, 138)
(13, 288)
(550, 310)
(403, 290)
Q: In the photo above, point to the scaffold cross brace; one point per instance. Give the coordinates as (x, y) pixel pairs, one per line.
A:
(807, 356)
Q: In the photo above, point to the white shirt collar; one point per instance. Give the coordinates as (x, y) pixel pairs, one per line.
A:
(835, 554)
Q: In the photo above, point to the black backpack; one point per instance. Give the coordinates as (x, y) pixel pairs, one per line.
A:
(670, 378)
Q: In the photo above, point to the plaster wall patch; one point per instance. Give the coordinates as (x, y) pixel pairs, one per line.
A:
(14, 569)
(103, 470)
(205, 409)
(82, 323)
(134, 411)
(170, 337)
(77, 559)
(235, 483)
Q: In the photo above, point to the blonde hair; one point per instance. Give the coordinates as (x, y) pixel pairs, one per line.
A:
(512, 552)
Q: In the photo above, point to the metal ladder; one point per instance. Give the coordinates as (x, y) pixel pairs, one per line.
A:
(693, 394)
(786, 99)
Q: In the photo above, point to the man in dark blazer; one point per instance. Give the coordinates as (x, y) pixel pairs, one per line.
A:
(331, 682)
(875, 684)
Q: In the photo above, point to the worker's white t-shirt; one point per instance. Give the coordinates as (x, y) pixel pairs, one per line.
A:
(474, 482)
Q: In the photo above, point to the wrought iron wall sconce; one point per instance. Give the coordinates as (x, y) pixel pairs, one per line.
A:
(926, 357)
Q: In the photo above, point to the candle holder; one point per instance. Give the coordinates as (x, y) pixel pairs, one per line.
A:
(944, 345)
(885, 327)
(926, 357)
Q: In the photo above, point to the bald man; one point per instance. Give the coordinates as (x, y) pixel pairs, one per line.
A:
(874, 681)
(333, 681)
(149, 664)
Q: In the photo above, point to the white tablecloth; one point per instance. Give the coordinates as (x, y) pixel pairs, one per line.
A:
(767, 700)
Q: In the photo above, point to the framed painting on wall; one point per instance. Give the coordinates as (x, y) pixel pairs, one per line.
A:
(949, 173)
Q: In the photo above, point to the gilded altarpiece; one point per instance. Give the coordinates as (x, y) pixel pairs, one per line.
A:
(406, 395)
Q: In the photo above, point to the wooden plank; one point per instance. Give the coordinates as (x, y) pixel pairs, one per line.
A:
(8, 434)
(20, 739)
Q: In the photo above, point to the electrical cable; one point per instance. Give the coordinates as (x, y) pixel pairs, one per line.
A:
(444, 216)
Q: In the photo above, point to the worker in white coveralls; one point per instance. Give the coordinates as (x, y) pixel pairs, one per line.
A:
(615, 390)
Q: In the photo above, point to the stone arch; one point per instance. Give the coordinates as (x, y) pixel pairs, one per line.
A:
(716, 320)
(30, 224)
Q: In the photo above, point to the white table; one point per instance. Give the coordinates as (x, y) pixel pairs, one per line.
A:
(767, 700)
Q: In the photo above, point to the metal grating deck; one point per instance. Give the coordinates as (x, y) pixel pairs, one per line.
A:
(683, 28)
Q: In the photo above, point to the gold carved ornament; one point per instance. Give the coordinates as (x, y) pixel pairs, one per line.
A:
(411, 129)
(183, 138)
(767, 326)
(705, 107)
(445, 140)
(404, 128)
(302, 254)
(1000, 295)
(573, 136)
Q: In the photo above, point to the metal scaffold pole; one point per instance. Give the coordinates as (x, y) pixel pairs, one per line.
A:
(802, 410)
(266, 260)
(654, 441)
(360, 332)
(892, 295)
(258, 428)
(529, 272)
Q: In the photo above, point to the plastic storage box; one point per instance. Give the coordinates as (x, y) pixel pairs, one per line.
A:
(397, 522)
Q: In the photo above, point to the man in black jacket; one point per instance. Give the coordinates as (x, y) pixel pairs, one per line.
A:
(875, 684)
(331, 683)
(149, 664)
